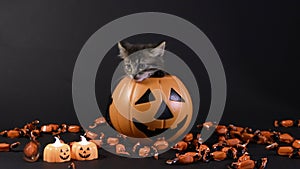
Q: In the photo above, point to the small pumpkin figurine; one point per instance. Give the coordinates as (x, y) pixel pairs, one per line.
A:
(84, 150)
(57, 152)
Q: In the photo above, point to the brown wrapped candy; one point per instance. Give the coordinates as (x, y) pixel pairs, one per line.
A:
(112, 141)
(144, 151)
(180, 146)
(13, 133)
(4, 147)
(262, 137)
(120, 149)
(91, 135)
(49, 128)
(196, 155)
(235, 131)
(230, 151)
(296, 144)
(189, 137)
(285, 123)
(74, 128)
(247, 136)
(233, 142)
(244, 157)
(248, 164)
(286, 138)
(268, 136)
(31, 151)
(285, 150)
(276, 123)
(161, 144)
(221, 130)
(203, 148)
(98, 121)
(187, 158)
(7, 147)
(218, 155)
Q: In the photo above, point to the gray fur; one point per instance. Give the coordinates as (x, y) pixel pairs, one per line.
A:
(142, 60)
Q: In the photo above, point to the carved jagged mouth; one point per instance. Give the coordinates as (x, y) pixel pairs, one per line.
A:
(64, 158)
(84, 156)
(149, 133)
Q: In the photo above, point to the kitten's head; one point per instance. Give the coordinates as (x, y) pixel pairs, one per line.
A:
(142, 60)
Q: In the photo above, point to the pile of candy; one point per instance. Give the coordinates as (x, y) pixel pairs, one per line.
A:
(33, 131)
(232, 143)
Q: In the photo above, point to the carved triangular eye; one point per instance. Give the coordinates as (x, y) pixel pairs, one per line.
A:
(174, 96)
(147, 97)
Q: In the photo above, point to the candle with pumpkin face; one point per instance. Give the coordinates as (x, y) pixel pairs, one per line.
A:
(84, 150)
(57, 152)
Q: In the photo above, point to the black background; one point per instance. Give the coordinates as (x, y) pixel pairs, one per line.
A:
(257, 42)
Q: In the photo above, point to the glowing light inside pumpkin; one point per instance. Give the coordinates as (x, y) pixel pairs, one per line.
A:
(57, 142)
(83, 141)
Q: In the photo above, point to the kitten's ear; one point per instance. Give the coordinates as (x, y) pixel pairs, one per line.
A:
(122, 50)
(159, 50)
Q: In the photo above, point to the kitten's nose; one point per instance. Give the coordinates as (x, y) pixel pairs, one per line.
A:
(138, 78)
(135, 77)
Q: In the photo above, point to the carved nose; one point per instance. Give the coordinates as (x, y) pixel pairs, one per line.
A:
(164, 112)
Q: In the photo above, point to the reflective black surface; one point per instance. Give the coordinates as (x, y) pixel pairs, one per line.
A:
(258, 43)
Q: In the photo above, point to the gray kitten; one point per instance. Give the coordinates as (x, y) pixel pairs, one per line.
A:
(142, 61)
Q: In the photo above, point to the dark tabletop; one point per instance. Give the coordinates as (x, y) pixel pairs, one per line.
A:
(257, 42)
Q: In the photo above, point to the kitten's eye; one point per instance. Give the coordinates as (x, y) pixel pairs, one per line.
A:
(142, 66)
(128, 67)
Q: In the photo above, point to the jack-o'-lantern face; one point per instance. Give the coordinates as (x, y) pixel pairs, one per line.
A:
(148, 108)
(57, 152)
(84, 150)
(64, 153)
